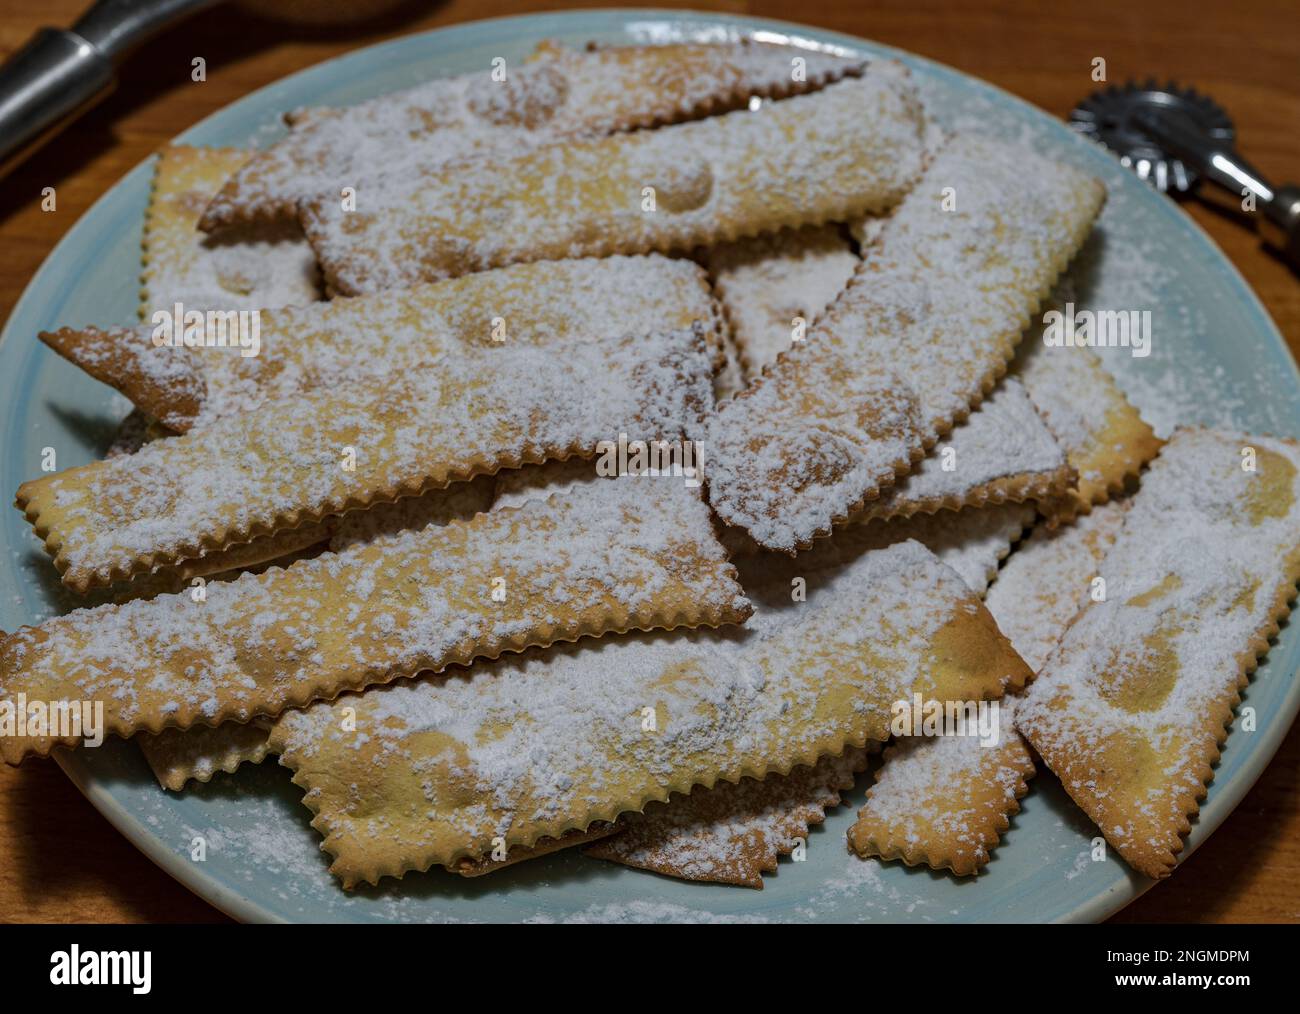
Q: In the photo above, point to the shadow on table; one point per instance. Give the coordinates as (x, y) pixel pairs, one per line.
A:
(1232, 858)
(71, 865)
(223, 36)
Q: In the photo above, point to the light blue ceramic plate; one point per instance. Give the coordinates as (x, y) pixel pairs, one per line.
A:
(1218, 360)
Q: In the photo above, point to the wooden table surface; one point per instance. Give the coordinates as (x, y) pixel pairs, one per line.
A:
(61, 862)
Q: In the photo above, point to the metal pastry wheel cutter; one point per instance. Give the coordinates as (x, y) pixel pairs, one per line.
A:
(1175, 138)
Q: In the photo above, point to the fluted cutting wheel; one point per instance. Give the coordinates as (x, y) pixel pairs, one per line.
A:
(1108, 116)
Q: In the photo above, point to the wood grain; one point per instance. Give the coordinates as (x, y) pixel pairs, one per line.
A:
(61, 862)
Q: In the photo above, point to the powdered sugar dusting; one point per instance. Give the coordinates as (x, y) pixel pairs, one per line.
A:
(329, 344)
(1048, 579)
(945, 800)
(851, 148)
(768, 282)
(1106, 439)
(732, 833)
(1208, 552)
(559, 93)
(972, 541)
(466, 412)
(1004, 439)
(612, 554)
(924, 327)
(253, 267)
(735, 831)
(726, 703)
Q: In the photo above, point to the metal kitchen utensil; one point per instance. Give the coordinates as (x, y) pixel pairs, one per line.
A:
(61, 73)
(1174, 138)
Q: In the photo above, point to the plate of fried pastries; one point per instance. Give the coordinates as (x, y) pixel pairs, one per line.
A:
(628, 467)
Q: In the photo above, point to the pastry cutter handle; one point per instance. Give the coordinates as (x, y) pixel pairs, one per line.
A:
(1278, 208)
(60, 73)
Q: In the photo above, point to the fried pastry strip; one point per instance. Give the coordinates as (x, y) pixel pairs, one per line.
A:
(921, 334)
(1132, 707)
(946, 801)
(256, 266)
(613, 556)
(544, 743)
(327, 344)
(331, 450)
(559, 93)
(774, 287)
(854, 147)
(1105, 438)
(1002, 453)
(179, 755)
(734, 832)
